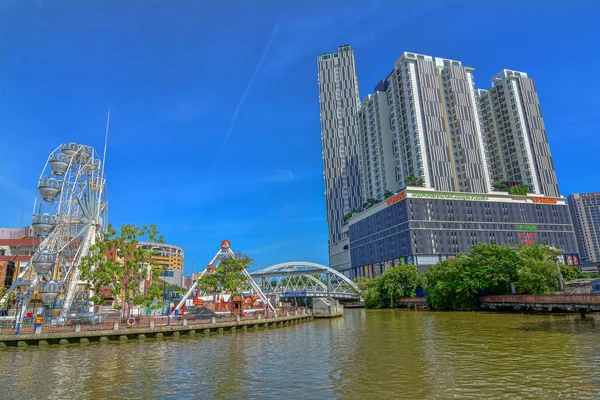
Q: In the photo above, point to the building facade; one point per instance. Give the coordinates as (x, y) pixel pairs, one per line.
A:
(375, 139)
(585, 212)
(170, 259)
(426, 120)
(424, 226)
(435, 125)
(339, 101)
(515, 135)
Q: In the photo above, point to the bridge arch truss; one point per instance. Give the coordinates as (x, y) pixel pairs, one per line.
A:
(301, 278)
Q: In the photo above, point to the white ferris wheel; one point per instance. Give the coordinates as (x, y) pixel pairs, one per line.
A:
(69, 215)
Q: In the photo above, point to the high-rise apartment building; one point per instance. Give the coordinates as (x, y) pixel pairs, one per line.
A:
(339, 100)
(426, 120)
(515, 136)
(585, 212)
(435, 130)
(377, 160)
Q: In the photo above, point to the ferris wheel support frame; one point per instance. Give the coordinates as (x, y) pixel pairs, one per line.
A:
(74, 279)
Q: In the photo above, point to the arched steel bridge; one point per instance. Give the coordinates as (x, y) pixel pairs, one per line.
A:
(301, 278)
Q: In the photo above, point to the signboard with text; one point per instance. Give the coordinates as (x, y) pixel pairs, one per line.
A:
(299, 293)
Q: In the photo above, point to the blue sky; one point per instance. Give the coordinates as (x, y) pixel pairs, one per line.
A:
(215, 127)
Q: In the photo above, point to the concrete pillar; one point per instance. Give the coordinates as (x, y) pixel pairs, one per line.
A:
(116, 326)
(104, 339)
(185, 322)
(77, 328)
(159, 335)
(141, 336)
(328, 285)
(21, 343)
(40, 343)
(176, 334)
(258, 316)
(63, 341)
(213, 320)
(152, 323)
(237, 318)
(83, 340)
(207, 331)
(122, 338)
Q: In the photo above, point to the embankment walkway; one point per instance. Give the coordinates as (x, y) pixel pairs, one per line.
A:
(147, 332)
(558, 302)
(581, 303)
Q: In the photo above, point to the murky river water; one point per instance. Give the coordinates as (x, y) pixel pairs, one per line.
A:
(387, 354)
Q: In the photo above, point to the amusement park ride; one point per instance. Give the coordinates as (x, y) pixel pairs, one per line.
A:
(220, 305)
(69, 215)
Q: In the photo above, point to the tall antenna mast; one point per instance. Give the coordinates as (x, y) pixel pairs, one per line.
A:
(105, 143)
(102, 180)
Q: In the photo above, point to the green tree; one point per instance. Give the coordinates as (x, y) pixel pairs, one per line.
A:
(396, 282)
(453, 284)
(119, 264)
(387, 194)
(346, 217)
(371, 291)
(227, 276)
(494, 265)
(490, 268)
(520, 190)
(570, 273)
(412, 180)
(178, 291)
(538, 271)
(500, 186)
(400, 281)
(3, 290)
(370, 202)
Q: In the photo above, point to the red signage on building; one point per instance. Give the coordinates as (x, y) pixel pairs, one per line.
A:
(396, 198)
(544, 200)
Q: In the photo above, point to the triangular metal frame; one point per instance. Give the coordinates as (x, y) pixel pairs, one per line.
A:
(225, 252)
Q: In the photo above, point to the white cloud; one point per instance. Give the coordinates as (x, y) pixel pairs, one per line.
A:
(284, 175)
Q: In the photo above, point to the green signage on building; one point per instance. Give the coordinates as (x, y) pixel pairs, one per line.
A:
(526, 227)
(450, 196)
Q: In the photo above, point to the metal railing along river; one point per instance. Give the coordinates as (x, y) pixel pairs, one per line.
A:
(99, 323)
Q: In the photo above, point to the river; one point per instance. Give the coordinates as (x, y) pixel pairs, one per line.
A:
(367, 354)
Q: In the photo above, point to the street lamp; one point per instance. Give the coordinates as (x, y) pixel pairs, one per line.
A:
(166, 295)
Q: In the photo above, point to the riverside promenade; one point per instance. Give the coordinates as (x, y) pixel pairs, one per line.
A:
(148, 328)
(582, 303)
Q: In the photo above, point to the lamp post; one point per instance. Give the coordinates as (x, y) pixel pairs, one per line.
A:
(166, 295)
(19, 301)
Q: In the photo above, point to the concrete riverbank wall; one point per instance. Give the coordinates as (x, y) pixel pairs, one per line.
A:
(142, 333)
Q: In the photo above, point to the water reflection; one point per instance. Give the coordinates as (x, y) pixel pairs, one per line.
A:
(367, 354)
